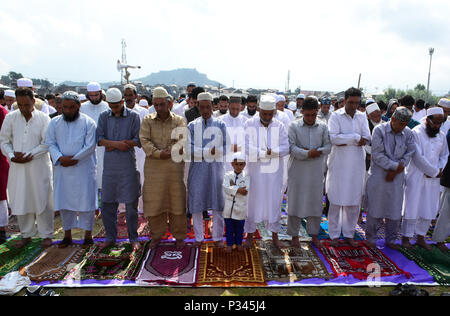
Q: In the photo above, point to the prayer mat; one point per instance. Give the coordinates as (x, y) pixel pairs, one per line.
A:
(119, 262)
(13, 259)
(323, 233)
(291, 264)
(239, 268)
(207, 226)
(346, 261)
(52, 264)
(435, 262)
(122, 229)
(282, 235)
(168, 265)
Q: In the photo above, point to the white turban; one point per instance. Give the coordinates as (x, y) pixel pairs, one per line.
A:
(444, 103)
(372, 108)
(435, 111)
(113, 95)
(281, 98)
(24, 83)
(292, 106)
(94, 87)
(267, 103)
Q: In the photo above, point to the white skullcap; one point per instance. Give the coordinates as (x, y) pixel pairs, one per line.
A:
(435, 111)
(239, 156)
(160, 93)
(267, 103)
(281, 98)
(301, 96)
(24, 83)
(205, 96)
(372, 108)
(83, 97)
(10, 93)
(444, 103)
(94, 87)
(370, 101)
(292, 106)
(113, 95)
(143, 102)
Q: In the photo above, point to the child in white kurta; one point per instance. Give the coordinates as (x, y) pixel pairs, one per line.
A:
(236, 184)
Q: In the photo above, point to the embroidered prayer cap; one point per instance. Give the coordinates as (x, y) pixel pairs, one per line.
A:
(435, 111)
(10, 93)
(372, 108)
(143, 102)
(301, 96)
(280, 98)
(24, 83)
(160, 93)
(71, 95)
(444, 103)
(402, 114)
(239, 157)
(292, 106)
(205, 96)
(130, 86)
(113, 95)
(267, 103)
(94, 87)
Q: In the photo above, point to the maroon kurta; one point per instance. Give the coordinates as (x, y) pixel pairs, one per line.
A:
(4, 163)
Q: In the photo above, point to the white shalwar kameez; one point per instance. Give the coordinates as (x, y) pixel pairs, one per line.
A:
(346, 171)
(422, 194)
(30, 186)
(266, 172)
(236, 136)
(94, 111)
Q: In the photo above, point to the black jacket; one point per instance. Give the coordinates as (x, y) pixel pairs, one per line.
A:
(192, 114)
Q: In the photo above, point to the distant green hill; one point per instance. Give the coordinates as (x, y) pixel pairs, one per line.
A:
(180, 77)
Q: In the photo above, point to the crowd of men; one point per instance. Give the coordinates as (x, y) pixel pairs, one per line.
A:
(177, 161)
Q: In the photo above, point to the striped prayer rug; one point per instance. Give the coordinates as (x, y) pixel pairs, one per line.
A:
(13, 259)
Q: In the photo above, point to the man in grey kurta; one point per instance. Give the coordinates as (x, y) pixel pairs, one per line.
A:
(309, 142)
(393, 146)
(205, 193)
(118, 131)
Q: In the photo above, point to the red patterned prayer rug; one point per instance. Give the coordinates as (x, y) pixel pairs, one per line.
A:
(239, 268)
(346, 261)
(169, 265)
(122, 229)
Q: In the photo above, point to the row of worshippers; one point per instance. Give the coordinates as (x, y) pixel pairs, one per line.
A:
(164, 191)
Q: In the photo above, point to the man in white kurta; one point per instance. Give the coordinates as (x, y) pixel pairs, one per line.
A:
(349, 132)
(234, 122)
(30, 175)
(93, 108)
(422, 191)
(266, 145)
(72, 143)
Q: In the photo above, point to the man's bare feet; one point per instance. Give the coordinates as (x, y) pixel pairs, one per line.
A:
(23, 243)
(422, 243)
(220, 244)
(295, 242)
(46, 243)
(352, 242)
(65, 243)
(249, 242)
(406, 243)
(155, 244)
(393, 246)
(316, 242)
(229, 250)
(180, 244)
(136, 246)
(442, 247)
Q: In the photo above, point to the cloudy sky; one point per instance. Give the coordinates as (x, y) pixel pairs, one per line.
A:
(324, 43)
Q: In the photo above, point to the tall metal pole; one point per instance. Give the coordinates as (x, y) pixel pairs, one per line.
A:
(429, 74)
